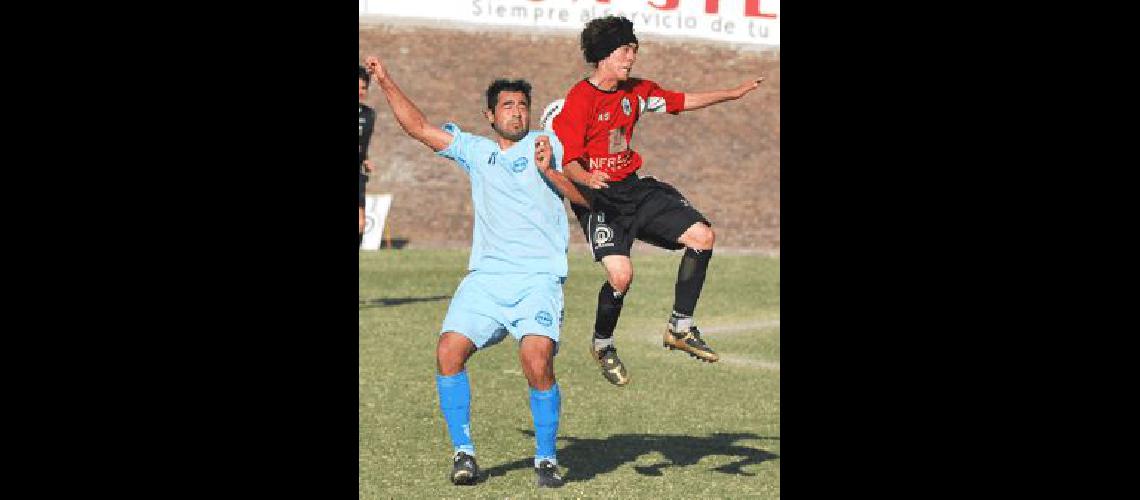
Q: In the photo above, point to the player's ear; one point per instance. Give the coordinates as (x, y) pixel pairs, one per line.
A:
(490, 116)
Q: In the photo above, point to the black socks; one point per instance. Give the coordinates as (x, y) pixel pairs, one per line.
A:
(609, 308)
(690, 280)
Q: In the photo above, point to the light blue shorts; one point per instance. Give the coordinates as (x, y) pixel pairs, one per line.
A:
(487, 306)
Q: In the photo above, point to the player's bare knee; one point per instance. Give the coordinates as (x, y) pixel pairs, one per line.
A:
(447, 362)
(621, 281)
(538, 368)
(619, 272)
(536, 348)
(451, 353)
(709, 236)
(701, 237)
(620, 277)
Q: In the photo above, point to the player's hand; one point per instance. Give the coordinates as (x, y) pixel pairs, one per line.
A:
(746, 87)
(375, 68)
(542, 153)
(368, 166)
(597, 179)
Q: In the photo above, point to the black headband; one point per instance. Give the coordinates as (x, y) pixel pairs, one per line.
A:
(606, 43)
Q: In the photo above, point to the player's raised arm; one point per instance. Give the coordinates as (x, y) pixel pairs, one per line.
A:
(698, 100)
(411, 119)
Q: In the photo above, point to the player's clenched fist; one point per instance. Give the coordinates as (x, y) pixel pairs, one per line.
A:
(372, 64)
(542, 153)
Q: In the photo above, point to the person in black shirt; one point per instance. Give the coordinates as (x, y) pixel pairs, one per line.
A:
(367, 117)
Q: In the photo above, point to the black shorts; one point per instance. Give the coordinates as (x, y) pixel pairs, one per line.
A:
(640, 208)
(363, 182)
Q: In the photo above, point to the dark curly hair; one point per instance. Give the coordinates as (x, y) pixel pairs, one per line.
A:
(508, 85)
(602, 35)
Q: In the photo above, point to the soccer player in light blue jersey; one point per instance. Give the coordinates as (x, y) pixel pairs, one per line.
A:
(517, 264)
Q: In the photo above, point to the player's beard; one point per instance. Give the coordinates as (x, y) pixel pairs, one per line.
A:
(515, 137)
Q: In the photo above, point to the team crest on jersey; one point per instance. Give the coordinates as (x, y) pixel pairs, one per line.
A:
(625, 107)
(519, 165)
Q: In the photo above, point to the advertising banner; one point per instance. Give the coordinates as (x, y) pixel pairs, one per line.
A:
(735, 21)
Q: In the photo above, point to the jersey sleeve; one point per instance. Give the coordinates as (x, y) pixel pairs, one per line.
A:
(570, 127)
(460, 148)
(557, 151)
(659, 100)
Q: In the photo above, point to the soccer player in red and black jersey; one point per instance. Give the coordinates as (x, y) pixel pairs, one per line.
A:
(366, 117)
(595, 126)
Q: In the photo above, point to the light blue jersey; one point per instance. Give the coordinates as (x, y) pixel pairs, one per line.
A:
(520, 221)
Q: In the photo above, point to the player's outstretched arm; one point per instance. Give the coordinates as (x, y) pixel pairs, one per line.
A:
(542, 158)
(698, 100)
(411, 119)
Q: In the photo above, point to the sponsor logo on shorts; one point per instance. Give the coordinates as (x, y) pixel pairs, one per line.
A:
(603, 236)
(519, 165)
(543, 318)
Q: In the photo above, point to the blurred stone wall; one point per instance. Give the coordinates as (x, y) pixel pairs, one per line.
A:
(725, 159)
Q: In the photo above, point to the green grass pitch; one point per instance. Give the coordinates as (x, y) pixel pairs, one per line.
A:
(680, 429)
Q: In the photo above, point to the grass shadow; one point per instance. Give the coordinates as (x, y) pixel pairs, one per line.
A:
(398, 301)
(585, 458)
